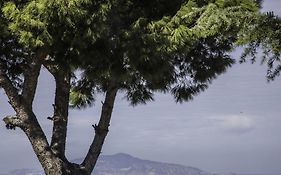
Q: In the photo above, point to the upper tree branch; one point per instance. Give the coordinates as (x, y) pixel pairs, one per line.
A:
(25, 117)
(31, 75)
(60, 117)
(101, 129)
(10, 90)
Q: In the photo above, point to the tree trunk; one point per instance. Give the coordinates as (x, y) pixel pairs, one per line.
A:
(51, 163)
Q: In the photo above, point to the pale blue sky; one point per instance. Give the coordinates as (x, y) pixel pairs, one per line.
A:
(234, 126)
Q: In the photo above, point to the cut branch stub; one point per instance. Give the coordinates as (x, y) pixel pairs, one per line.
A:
(100, 130)
(12, 122)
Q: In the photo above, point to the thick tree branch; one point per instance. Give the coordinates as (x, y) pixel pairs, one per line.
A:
(62, 77)
(101, 130)
(25, 118)
(10, 90)
(31, 127)
(31, 75)
(60, 117)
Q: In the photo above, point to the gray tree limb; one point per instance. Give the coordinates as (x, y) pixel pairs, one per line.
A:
(101, 130)
(10, 90)
(60, 118)
(31, 75)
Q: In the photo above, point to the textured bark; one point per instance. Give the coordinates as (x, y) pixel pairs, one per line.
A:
(10, 90)
(101, 130)
(38, 140)
(51, 163)
(60, 117)
(27, 121)
(31, 74)
(25, 118)
(52, 156)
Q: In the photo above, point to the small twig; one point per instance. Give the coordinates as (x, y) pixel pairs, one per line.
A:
(50, 118)
(95, 126)
(99, 129)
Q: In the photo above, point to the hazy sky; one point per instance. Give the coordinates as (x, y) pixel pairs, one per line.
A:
(234, 126)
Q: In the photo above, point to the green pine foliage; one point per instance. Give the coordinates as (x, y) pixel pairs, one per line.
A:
(264, 36)
(13, 56)
(175, 47)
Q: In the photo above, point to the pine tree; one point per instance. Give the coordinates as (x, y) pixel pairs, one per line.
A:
(138, 47)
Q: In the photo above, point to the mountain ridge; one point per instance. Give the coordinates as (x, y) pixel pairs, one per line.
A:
(125, 164)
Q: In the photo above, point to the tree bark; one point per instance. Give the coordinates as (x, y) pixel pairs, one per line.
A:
(101, 130)
(38, 140)
(60, 118)
(26, 120)
(31, 74)
(51, 163)
(52, 156)
(10, 90)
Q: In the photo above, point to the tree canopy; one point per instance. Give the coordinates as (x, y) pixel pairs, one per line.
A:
(146, 46)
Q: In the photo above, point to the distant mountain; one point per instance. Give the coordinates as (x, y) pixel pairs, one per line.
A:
(24, 172)
(124, 164)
